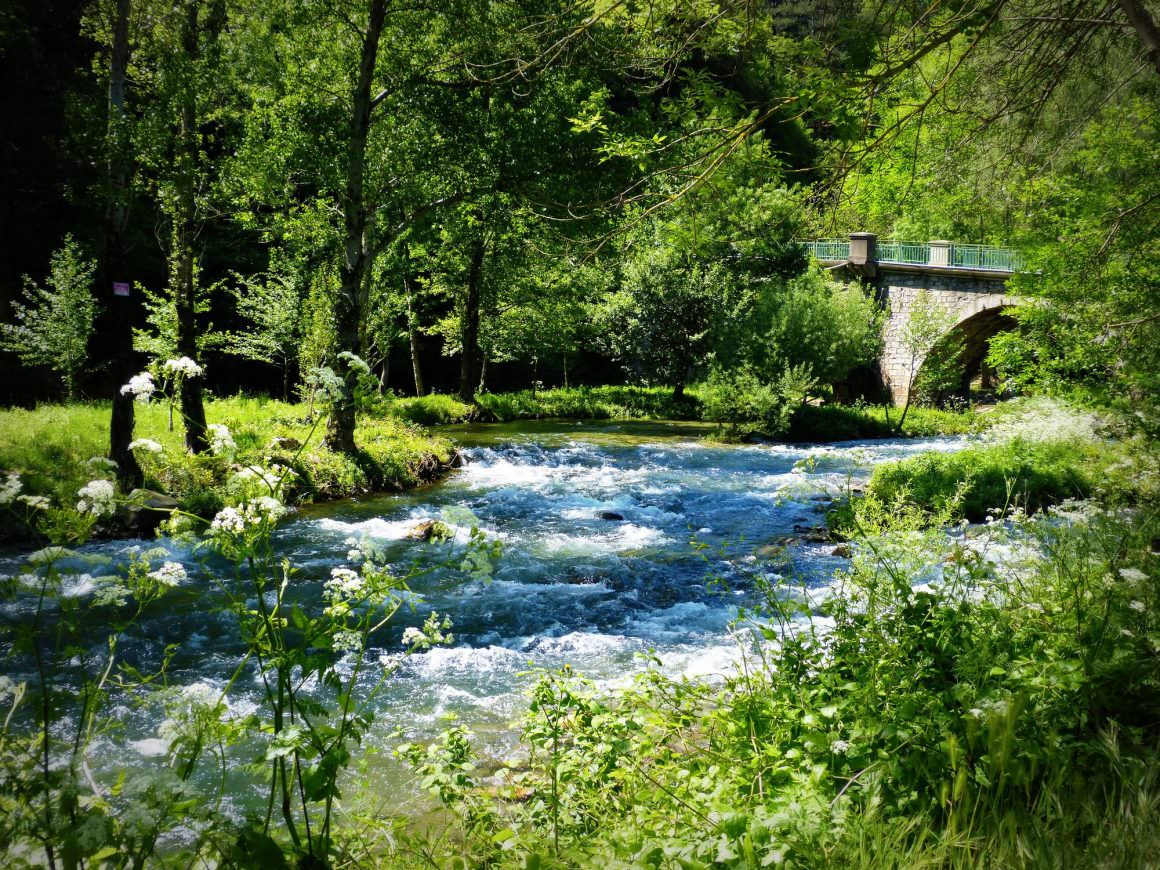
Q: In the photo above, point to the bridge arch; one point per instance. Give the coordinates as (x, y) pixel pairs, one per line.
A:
(965, 344)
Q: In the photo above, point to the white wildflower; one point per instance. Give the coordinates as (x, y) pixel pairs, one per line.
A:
(169, 574)
(355, 556)
(141, 387)
(146, 444)
(183, 366)
(839, 747)
(344, 585)
(347, 641)
(221, 441)
(264, 508)
(413, 636)
(96, 498)
(10, 488)
(1133, 575)
(228, 521)
(1138, 606)
(111, 595)
(37, 502)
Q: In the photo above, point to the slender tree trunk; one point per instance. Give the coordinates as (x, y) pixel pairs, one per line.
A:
(482, 373)
(118, 310)
(184, 236)
(1146, 30)
(413, 336)
(348, 310)
(470, 326)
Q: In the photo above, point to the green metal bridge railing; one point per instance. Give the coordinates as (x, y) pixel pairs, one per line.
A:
(980, 257)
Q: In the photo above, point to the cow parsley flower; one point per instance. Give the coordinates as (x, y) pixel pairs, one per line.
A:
(96, 498)
(839, 747)
(228, 521)
(413, 636)
(344, 585)
(146, 444)
(182, 366)
(1133, 575)
(221, 441)
(1138, 606)
(36, 502)
(141, 387)
(169, 574)
(345, 640)
(10, 488)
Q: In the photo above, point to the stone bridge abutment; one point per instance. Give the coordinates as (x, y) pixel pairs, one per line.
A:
(966, 285)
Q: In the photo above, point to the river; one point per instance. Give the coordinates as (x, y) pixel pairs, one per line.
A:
(610, 534)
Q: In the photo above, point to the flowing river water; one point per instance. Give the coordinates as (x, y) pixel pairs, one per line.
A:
(597, 522)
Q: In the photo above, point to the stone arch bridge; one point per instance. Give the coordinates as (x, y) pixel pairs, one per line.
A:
(968, 282)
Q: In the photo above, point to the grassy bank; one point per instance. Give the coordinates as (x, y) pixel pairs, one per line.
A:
(52, 448)
(808, 423)
(988, 698)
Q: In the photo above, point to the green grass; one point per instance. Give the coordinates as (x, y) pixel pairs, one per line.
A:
(988, 477)
(809, 423)
(51, 445)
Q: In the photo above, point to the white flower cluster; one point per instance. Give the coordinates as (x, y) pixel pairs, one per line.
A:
(1133, 575)
(221, 442)
(182, 366)
(169, 574)
(1044, 419)
(97, 498)
(10, 488)
(275, 477)
(141, 387)
(39, 502)
(839, 747)
(344, 585)
(346, 641)
(234, 521)
(413, 636)
(146, 444)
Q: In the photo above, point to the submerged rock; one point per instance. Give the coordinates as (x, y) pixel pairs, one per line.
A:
(610, 515)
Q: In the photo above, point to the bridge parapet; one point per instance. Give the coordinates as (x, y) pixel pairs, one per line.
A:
(865, 251)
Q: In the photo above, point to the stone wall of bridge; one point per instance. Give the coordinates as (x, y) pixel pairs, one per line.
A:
(974, 306)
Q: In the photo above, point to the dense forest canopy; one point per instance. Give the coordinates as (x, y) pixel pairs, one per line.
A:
(483, 195)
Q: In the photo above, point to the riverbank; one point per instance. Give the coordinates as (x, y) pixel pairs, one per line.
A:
(817, 423)
(57, 449)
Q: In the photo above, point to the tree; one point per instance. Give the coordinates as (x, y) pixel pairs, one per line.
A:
(926, 324)
(271, 304)
(55, 321)
(117, 309)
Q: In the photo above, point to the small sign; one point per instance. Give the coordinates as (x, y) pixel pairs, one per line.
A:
(120, 288)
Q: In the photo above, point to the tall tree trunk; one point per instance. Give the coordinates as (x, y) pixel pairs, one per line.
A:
(184, 236)
(470, 326)
(413, 336)
(1146, 30)
(118, 310)
(348, 309)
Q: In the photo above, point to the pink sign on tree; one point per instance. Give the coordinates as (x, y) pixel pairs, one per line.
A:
(120, 288)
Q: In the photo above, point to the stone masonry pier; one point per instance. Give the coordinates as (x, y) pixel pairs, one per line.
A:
(968, 282)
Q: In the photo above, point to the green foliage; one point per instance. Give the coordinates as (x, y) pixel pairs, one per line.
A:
(983, 479)
(951, 699)
(751, 407)
(55, 321)
(53, 446)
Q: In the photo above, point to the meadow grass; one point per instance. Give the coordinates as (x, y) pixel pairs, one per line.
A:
(51, 445)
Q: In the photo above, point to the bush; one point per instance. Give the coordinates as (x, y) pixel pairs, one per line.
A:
(988, 477)
(747, 405)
